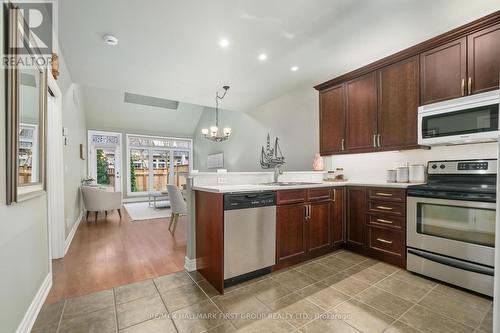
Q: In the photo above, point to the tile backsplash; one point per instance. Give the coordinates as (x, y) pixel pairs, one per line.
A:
(373, 166)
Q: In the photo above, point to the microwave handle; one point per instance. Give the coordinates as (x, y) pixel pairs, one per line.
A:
(453, 262)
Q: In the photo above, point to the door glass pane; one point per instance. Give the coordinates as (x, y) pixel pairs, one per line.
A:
(105, 161)
(161, 169)
(475, 120)
(139, 170)
(181, 167)
(471, 225)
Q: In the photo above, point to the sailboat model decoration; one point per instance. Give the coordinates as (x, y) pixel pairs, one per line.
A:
(271, 157)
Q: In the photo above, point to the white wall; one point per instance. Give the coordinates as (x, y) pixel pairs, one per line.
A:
(23, 241)
(292, 117)
(373, 166)
(73, 118)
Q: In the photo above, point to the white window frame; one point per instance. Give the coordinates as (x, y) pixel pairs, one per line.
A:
(150, 159)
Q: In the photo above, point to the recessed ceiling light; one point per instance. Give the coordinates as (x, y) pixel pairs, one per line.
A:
(294, 68)
(262, 57)
(110, 39)
(224, 43)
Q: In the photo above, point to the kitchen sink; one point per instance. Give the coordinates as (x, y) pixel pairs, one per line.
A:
(289, 183)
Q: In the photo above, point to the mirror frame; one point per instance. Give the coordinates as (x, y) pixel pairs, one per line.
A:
(15, 192)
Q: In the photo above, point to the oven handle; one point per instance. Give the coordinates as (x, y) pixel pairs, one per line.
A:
(453, 262)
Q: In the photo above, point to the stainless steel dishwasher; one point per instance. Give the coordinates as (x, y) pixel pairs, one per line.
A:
(249, 235)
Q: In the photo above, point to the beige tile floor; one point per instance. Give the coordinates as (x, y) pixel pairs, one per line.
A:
(340, 292)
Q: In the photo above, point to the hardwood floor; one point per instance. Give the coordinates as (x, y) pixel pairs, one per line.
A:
(113, 253)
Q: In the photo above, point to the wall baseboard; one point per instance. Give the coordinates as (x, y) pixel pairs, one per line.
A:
(36, 305)
(72, 233)
(189, 264)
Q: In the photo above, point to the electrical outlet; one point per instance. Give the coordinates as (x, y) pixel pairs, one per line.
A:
(222, 180)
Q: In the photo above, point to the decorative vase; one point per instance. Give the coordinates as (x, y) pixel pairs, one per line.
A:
(318, 164)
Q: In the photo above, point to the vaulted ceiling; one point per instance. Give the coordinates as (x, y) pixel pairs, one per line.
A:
(170, 48)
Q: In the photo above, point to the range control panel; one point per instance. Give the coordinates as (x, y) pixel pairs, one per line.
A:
(486, 166)
(473, 166)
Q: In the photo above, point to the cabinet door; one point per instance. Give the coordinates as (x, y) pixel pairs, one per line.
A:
(356, 214)
(337, 217)
(361, 112)
(332, 120)
(319, 227)
(483, 61)
(443, 72)
(398, 104)
(290, 231)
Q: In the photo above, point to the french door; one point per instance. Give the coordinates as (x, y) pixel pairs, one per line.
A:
(104, 157)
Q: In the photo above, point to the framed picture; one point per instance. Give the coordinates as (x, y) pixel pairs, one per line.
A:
(215, 161)
(82, 152)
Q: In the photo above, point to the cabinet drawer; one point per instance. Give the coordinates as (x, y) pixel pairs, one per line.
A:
(316, 194)
(291, 196)
(392, 194)
(389, 221)
(386, 207)
(386, 241)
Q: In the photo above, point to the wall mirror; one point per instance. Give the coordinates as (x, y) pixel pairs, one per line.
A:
(26, 115)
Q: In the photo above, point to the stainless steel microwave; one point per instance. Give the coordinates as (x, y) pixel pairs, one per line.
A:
(468, 119)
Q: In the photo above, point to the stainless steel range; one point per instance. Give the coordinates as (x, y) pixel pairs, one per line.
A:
(451, 224)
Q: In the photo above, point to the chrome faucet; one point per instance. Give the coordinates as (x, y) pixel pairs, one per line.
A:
(277, 173)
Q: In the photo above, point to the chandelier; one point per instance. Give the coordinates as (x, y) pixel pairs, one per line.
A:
(214, 133)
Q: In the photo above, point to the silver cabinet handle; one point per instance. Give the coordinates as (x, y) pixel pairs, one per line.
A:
(463, 87)
(375, 140)
(384, 207)
(382, 194)
(384, 241)
(334, 194)
(378, 140)
(305, 212)
(384, 221)
(309, 213)
(469, 85)
(343, 144)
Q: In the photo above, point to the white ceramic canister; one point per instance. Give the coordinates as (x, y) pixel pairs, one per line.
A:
(402, 175)
(391, 176)
(417, 173)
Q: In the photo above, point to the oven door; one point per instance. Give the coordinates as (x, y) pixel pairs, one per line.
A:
(459, 229)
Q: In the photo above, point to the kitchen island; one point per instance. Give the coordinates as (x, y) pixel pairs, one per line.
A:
(312, 219)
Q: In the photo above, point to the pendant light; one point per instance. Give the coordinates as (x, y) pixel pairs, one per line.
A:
(214, 133)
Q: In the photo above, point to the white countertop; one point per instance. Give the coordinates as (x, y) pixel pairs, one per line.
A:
(229, 188)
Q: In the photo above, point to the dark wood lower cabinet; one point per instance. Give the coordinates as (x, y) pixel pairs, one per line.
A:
(376, 223)
(290, 231)
(356, 215)
(310, 228)
(338, 217)
(319, 233)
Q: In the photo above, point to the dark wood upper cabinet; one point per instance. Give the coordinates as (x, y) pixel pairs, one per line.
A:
(375, 107)
(332, 120)
(483, 61)
(338, 221)
(443, 72)
(290, 231)
(398, 104)
(319, 226)
(356, 215)
(361, 112)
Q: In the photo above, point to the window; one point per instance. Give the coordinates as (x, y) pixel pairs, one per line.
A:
(154, 162)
